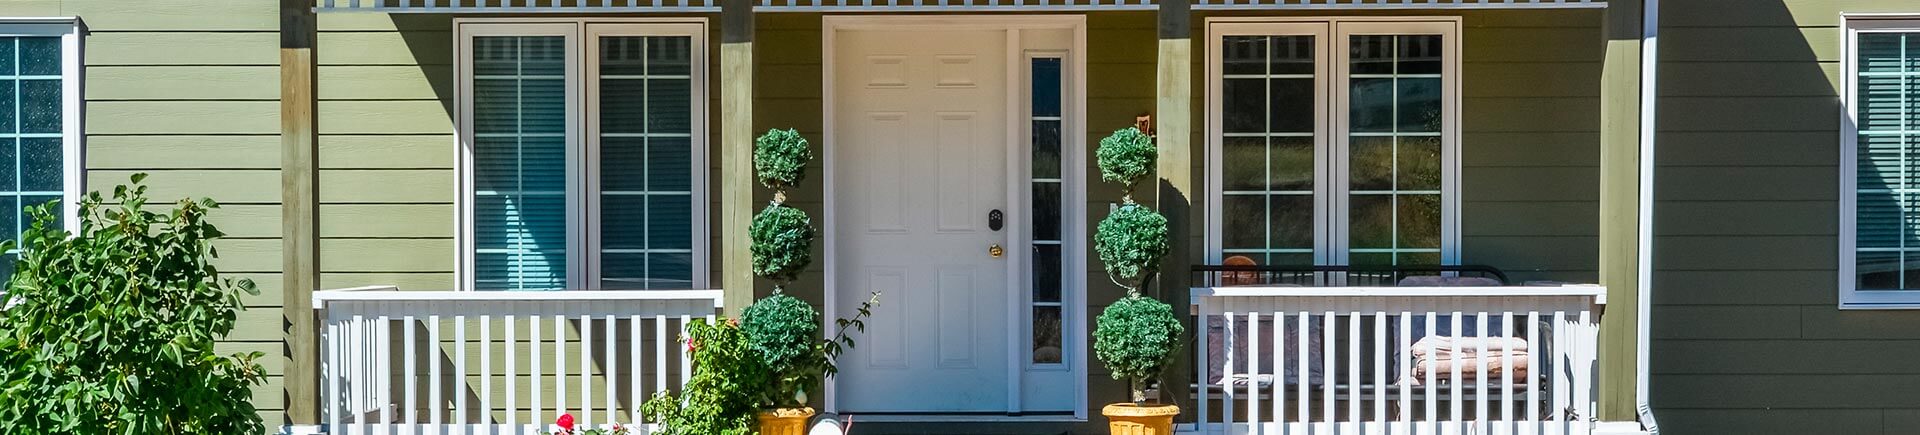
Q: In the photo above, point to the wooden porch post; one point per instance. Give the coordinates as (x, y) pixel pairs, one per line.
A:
(736, 153)
(1621, 171)
(1173, 132)
(298, 211)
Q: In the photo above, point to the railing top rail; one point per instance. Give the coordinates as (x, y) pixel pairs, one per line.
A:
(362, 294)
(1599, 293)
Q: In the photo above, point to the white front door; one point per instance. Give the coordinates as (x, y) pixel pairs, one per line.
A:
(920, 160)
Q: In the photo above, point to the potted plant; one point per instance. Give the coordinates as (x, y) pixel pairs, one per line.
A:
(753, 374)
(1136, 336)
(781, 329)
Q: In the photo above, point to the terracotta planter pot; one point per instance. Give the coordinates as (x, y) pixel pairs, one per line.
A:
(1130, 419)
(785, 421)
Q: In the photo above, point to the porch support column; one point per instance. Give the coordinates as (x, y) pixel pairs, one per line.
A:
(1173, 132)
(1625, 202)
(736, 153)
(298, 211)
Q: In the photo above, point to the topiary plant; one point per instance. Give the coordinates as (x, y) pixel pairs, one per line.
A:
(780, 159)
(782, 244)
(112, 329)
(1136, 336)
(1130, 243)
(1125, 157)
(783, 329)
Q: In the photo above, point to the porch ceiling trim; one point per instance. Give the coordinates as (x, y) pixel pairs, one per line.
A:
(710, 6)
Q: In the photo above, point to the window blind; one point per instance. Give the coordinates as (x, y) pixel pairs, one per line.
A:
(519, 163)
(1887, 201)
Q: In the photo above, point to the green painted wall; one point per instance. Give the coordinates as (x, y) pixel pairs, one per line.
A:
(188, 90)
(1747, 336)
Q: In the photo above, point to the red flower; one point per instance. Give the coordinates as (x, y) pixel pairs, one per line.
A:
(565, 422)
(692, 345)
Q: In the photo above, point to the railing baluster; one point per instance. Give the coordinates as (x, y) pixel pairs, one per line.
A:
(1506, 372)
(1302, 386)
(1561, 385)
(634, 396)
(534, 341)
(460, 386)
(486, 376)
(1228, 394)
(1480, 372)
(559, 367)
(513, 353)
(331, 402)
(1329, 369)
(1534, 371)
(686, 358)
(1280, 371)
(411, 372)
(1353, 371)
(433, 371)
(660, 351)
(1253, 370)
(1453, 401)
(1405, 360)
(586, 371)
(1204, 370)
(1381, 349)
(612, 364)
(1431, 376)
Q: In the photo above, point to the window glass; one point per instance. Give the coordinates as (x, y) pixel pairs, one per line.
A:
(1268, 94)
(1887, 153)
(33, 160)
(1394, 145)
(646, 162)
(519, 162)
(1047, 209)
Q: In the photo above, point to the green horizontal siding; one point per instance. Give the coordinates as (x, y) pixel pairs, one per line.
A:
(1747, 336)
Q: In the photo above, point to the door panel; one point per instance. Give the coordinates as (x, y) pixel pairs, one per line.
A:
(919, 160)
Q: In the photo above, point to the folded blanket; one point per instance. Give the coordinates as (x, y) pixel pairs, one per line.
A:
(1443, 347)
(1435, 357)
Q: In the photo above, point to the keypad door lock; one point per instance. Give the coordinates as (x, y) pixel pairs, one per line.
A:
(995, 220)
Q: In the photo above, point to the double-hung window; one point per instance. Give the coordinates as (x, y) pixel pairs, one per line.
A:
(1333, 142)
(583, 152)
(1880, 160)
(40, 122)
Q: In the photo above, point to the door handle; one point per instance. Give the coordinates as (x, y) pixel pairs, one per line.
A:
(995, 251)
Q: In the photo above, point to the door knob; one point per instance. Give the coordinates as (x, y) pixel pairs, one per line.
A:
(995, 250)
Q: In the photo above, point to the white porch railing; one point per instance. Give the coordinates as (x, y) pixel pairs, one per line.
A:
(708, 6)
(498, 362)
(1396, 360)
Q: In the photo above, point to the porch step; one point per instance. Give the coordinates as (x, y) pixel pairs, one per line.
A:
(965, 425)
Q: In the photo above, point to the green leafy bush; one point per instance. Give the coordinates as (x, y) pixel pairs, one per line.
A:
(1130, 243)
(782, 243)
(780, 159)
(782, 329)
(724, 392)
(1126, 156)
(1135, 338)
(112, 330)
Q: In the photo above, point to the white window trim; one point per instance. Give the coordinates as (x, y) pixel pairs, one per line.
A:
(1330, 139)
(72, 33)
(1851, 297)
(583, 229)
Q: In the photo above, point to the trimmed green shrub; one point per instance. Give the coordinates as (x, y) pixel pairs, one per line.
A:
(724, 393)
(782, 243)
(112, 330)
(1130, 243)
(782, 329)
(1135, 337)
(1125, 157)
(780, 159)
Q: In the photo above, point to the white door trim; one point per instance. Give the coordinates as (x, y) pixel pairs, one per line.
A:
(1073, 143)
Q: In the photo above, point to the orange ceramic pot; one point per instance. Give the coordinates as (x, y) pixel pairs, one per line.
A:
(785, 421)
(1131, 419)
